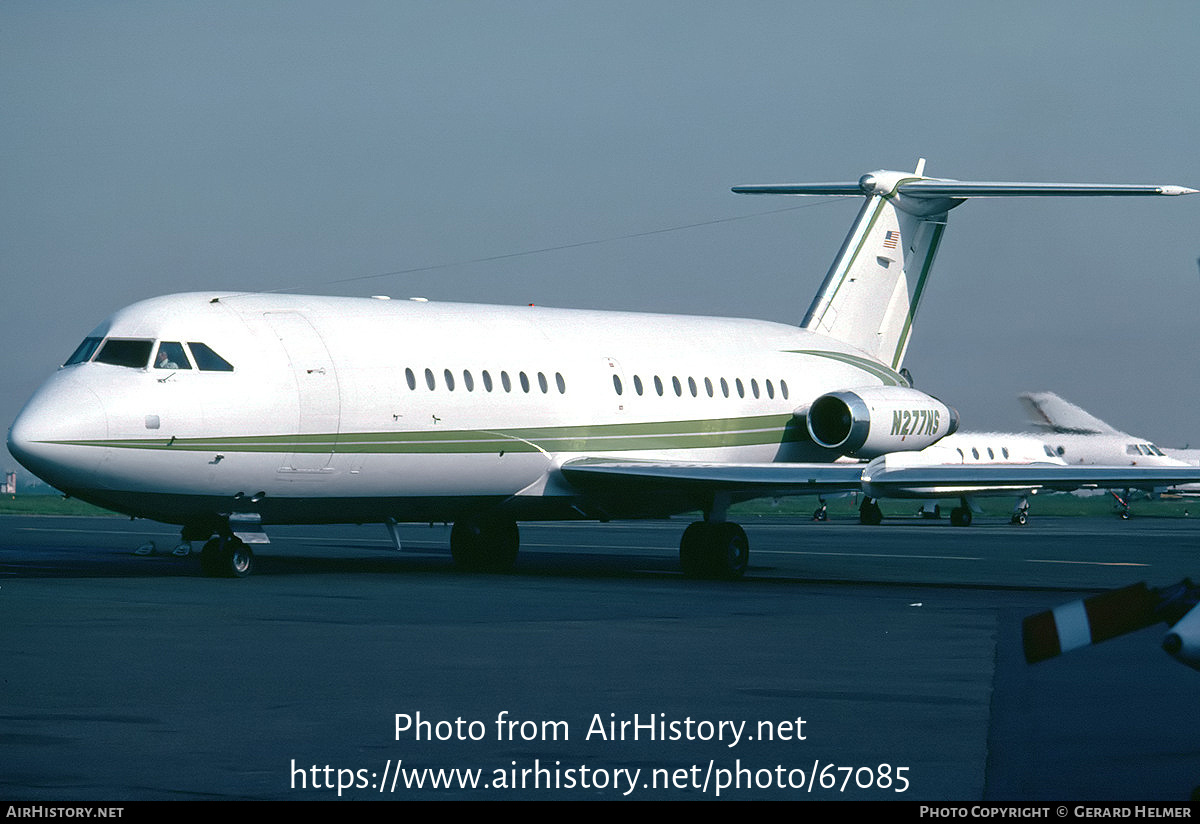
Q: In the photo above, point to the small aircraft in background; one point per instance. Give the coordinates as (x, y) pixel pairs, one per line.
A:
(1079, 437)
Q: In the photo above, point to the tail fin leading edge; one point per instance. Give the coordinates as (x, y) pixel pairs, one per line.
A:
(871, 294)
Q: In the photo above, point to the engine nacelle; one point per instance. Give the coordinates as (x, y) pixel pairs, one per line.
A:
(875, 420)
(1183, 641)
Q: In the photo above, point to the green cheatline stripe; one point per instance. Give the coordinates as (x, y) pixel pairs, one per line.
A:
(759, 429)
(875, 368)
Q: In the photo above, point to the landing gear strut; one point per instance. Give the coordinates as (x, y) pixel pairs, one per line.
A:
(484, 544)
(1021, 514)
(714, 550)
(226, 556)
(822, 511)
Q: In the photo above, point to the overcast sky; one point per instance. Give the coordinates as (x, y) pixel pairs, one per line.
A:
(157, 147)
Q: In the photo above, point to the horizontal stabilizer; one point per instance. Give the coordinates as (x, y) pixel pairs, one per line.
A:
(891, 183)
(870, 296)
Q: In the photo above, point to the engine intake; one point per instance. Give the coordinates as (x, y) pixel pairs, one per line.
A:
(875, 420)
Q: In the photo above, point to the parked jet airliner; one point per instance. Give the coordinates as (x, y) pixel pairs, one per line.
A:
(225, 413)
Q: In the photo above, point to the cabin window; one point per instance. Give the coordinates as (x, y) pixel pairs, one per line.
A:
(724, 387)
(974, 453)
(84, 351)
(692, 386)
(658, 387)
(171, 356)
(708, 387)
(487, 380)
(1004, 451)
(562, 384)
(542, 384)
(678, 387)
(449, 376)
(741, 389)
(131, 353)
(207, 360)
(1061, 451)
(429, 379)
(524, 382)
(783, 388)
(754, 386)
(637, 384)
(505, 382)
(991, 454)
(411, 378)
(770, 389)
(468, 381)
(617, 384)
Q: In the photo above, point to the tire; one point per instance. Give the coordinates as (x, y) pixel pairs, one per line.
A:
(484, 544)
(728, 552)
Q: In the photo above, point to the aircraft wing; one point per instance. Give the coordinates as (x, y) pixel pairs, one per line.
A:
(876, 478)
(753, 479)
(879, 481)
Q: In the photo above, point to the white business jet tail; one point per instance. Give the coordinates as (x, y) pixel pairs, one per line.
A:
(871, 294)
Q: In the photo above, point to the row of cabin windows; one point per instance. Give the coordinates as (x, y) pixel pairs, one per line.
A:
(468, 381)
(975, 453)
(135, 354)
(709, 389)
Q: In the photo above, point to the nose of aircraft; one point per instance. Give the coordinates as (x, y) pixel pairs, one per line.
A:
(62, 411)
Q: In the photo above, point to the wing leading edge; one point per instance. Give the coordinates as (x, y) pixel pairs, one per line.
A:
(875, 478)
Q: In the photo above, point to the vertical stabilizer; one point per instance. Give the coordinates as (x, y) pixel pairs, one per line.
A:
(873, 290)
(871, 295)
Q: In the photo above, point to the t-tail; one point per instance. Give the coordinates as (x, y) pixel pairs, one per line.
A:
(871, 295)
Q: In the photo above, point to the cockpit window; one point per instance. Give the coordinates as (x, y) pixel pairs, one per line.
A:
(170, 356)
(207, 360)
(84, 352)
(131, 353)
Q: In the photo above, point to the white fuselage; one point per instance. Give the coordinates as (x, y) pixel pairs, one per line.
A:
(343, 409)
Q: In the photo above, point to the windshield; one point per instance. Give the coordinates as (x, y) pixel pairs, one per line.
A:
(132, 353)
(84, 351)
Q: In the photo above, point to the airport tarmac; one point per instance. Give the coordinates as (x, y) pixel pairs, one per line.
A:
(852, 662)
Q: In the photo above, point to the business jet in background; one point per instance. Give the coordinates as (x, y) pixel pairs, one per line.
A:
(1011, 457)
(226, 412)
(1068, 436)
(1079, 437)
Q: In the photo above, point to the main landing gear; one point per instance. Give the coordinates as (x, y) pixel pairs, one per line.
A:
(822, 511)
(226, 556)
(481, 544)
(869, 513)
(1020, 515)
(960, 516)
(714, 550)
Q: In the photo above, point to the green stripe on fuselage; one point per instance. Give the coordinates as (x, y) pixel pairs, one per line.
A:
(872, 367)
(694, 434)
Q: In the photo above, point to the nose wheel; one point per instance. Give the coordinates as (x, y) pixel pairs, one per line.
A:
(226, 557)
